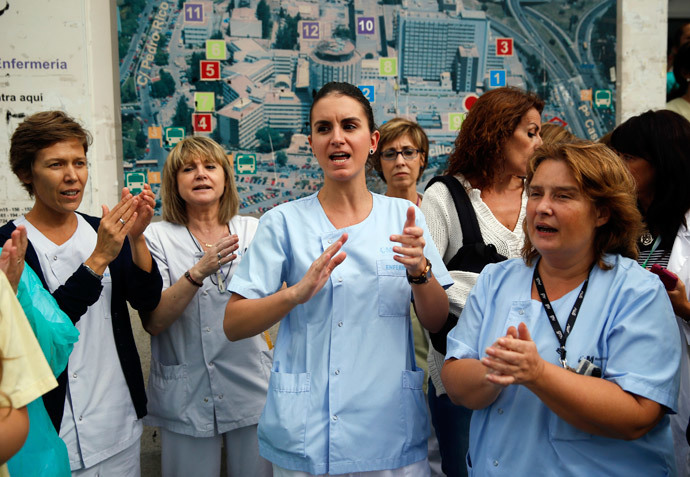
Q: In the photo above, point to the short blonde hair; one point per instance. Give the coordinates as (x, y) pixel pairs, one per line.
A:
(174, 207)
(606, 181)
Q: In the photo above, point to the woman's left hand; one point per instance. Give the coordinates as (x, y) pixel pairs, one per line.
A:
(514, 361)
(144, 210)
(412, 249)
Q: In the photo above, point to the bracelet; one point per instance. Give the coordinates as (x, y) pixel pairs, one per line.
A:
(188, 276)
(423, 278)
(90, 270)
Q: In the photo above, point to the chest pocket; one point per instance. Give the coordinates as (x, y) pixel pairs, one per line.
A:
(393, 290)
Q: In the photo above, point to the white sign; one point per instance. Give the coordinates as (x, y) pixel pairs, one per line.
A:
(55, 68)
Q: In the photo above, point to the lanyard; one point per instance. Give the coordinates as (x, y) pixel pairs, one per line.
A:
(560, 334)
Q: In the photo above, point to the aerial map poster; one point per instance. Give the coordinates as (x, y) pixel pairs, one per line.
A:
(244, 71)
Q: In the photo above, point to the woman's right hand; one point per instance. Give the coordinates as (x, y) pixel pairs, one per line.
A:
(319, 271)
(221, 253)
(12, 257)
(114, 227)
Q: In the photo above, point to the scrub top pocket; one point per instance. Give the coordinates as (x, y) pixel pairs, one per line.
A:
(284, 420)
(393, 290)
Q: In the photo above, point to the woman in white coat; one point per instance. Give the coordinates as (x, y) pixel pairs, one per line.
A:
(656, 148)
(202, 389)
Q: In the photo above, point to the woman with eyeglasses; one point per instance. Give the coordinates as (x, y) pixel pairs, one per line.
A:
(401, 158)
(202, 388)
(400, 161)
(488, 164)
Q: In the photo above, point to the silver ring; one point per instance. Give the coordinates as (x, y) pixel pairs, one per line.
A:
(122, 221)
(219, 257)
(219, 264)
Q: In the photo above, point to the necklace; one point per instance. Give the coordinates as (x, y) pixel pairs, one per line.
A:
(221, 281)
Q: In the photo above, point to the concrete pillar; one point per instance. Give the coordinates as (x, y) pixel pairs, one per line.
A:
(105, 173)
(641, 29)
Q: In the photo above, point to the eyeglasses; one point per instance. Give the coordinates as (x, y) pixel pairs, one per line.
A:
(409, 154)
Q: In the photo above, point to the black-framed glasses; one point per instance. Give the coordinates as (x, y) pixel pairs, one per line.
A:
(409, 154)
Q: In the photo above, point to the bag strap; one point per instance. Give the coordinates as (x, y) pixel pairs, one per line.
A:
(468, 218)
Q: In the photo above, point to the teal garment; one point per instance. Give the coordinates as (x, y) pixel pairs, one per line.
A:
(671, 83)
(44, 453)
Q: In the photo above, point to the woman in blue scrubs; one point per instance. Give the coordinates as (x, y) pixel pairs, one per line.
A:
(345, 394)
(569, 356)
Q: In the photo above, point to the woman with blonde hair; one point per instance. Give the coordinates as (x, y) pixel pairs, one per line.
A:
(202, 389)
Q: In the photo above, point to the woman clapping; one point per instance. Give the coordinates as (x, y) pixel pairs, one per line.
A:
(556, 351)
(202, 388)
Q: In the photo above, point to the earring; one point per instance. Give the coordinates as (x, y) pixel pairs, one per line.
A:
(371, 151)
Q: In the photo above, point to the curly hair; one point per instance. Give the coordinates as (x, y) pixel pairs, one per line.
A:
(478, 152)
(604, 180)
(40, 131)
(395, 129)
(190, 148)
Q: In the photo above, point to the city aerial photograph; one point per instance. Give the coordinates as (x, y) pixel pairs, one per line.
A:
(243, 72)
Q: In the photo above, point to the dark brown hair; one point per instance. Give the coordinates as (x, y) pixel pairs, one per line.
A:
(40, 131)
(478, 153)
(662, 138)
(345, 89)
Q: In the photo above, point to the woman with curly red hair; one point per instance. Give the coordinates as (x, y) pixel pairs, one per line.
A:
(486, 171)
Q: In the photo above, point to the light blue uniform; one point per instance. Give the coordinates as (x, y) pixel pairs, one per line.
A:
(345, 394)
(626, 326)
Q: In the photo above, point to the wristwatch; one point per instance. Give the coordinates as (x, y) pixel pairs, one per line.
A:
(423, 278)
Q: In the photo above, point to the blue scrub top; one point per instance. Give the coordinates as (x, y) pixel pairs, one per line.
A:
(345, 394)
(626, 326)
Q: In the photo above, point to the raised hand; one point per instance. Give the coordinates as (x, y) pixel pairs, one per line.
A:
(411, 248)
(114, 227)
(145, 206)
(12, 257)
(319, 271)
(221, 253)
(514, 359)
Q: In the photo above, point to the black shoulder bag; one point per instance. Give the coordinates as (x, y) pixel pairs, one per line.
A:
(474, 254)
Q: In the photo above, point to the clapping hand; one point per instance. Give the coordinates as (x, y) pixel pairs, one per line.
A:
(514, 358)
(146, 203)
(319, 272)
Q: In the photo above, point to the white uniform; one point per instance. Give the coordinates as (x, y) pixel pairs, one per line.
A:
(99, 419)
